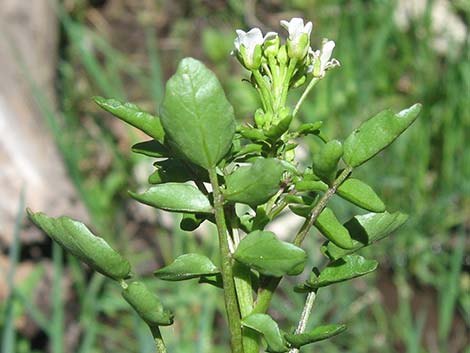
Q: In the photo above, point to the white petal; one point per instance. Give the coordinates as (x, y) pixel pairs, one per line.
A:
(308, 28)
(238, 41)
(270, 36)
(326, 52)
(285, 24)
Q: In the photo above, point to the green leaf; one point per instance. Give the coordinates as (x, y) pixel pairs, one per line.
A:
(196, 115)
(252, 134)
(147, 305)
(133, 115)
(343, 269)
(254, 184)
(215, 281)
(376, 134)
(311, 185)
(310, 128)
(318, 334)
(191, 221)
(77, 239)
(187, 266)
(361, 194)
(325, 162)
(366, 230)
(266, 326)
(169, 171)
(277, 130)
(333, 230)
(150, 148)
(262, 251)
(175, 197)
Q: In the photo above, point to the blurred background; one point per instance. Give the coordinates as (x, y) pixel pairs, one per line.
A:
(60, 154)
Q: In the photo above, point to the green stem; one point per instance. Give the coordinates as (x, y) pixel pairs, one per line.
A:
(265, 90)
(288, 74)
(299, 238)
(230, 295)
(312, 84)
(265, 295)
(157, 336)
(305, 316)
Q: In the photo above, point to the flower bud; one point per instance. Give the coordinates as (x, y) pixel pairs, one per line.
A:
(248, 47)
(282, 57)
(299, 82)
(271, 44)
(260, 118)
(298, 43)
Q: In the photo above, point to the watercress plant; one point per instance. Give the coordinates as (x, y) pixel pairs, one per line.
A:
(241, 177)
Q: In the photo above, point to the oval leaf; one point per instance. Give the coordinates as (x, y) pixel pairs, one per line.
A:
(266, 326)
(196, 115)
(147, 305)
(361, 194)
(325, 162)
(133, 115)
(366, 230)
(256, 184)
(77, 239)
(318, 334)
(377, 133)
(333, 230)
(169, 171)
(150, 148)
(187, 266)
(175, 197)
(262, 251)
(311, 185)
(343, 269)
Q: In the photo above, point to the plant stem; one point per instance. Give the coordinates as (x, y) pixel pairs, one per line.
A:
(265, 89)
(299, 238)
(305, 316)
(264, 297)
(311, 84)
(230, 295)
(157, 336)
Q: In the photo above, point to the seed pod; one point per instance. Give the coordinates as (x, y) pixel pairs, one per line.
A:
(147, 305)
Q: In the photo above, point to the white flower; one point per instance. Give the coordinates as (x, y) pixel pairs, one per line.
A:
(296, 28)
(246, 45)
(298, 43)
(321, 59)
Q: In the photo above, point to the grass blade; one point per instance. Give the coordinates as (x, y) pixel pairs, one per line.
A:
(9, 333)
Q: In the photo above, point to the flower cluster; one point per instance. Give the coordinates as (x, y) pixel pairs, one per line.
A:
(276, 68)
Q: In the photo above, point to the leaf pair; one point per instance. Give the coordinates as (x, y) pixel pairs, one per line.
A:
(365, 230)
